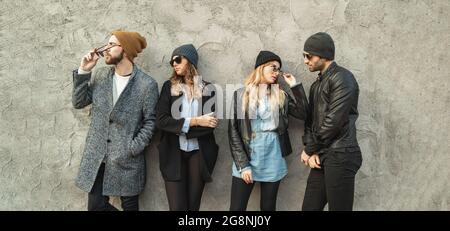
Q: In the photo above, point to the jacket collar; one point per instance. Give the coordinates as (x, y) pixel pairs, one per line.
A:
(327, 72)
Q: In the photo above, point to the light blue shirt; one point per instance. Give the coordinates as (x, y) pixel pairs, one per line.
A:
(189, 109)
(266, 160)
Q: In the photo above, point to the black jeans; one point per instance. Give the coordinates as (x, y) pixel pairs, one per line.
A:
(186, 194)
(240, 193)
(334, 183)
(98, 202)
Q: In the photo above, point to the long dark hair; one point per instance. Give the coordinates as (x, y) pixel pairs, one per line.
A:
(179, 81)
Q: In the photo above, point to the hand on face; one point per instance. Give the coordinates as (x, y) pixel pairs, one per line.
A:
(113, 53)
(290, 79)
(89, 60)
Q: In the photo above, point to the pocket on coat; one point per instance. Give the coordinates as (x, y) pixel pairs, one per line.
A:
(123, 162)
(129, 149)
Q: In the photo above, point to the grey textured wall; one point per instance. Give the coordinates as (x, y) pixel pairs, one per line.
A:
(398, 50)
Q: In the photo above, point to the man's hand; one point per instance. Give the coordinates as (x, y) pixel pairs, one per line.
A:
(89, 61)
(247, 176)
(314, 161)
(304, 158)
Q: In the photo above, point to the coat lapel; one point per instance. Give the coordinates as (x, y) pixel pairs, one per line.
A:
(174, 98)
(108, 90)
(125, 93)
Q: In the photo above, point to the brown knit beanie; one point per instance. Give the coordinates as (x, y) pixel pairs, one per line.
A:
(131, 42)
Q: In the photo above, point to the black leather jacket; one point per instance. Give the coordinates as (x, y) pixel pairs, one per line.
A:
(332, 113)
(240, 131)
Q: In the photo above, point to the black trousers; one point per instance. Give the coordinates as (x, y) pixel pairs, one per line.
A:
(186, 194)
(240, 194)
(98, 202)
(334, 183)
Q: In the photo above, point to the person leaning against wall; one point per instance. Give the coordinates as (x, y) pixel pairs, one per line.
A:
(331, 147)
(188, 149)
(123, 100)
(258, 134)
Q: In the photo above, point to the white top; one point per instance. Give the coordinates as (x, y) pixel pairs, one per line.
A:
(121, 82)
(189, 109)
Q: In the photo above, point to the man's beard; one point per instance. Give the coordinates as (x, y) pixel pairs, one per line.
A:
(313, 68)
(114, 60)
(318, 66)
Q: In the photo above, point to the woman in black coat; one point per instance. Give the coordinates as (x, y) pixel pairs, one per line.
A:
(188, 149)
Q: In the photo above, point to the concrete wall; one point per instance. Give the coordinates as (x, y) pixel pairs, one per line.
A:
(398, 50)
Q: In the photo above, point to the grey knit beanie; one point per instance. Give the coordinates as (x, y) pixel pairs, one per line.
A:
(188, 51)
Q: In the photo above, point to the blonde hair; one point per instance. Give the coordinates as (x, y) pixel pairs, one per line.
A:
(251, 94)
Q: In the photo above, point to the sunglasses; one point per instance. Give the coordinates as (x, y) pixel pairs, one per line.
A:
(100, 50)
(176, 59)
(275, 69)
(307, 56)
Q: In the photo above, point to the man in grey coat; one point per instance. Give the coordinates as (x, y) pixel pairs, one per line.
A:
(123, 100)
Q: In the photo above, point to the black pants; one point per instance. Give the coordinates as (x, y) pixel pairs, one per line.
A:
(240, 194)
(334, 183)
(186, 194)
(98, 202)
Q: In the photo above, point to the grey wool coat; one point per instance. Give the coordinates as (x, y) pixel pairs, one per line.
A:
(118, 134)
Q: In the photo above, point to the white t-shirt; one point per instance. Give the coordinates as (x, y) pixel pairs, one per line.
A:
(121, 83)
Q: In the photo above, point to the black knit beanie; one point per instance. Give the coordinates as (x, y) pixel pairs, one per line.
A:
(266, 56)
(320, 44)
(188, 51)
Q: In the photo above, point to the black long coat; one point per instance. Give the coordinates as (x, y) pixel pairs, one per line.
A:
(169, 147)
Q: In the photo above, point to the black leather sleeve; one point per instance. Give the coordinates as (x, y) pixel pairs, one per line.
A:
(308, 138)
(237, 148)
(298, 106)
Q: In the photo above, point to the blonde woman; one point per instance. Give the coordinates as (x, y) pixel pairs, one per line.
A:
(257, 131)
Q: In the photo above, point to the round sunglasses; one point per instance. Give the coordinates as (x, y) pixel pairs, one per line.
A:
(100, 50)
(177, 59)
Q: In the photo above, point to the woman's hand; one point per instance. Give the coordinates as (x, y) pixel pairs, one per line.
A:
(246, 175)
(205, 121)
(290, 79)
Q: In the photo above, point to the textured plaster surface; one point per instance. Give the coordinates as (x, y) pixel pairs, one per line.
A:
(398, 51)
